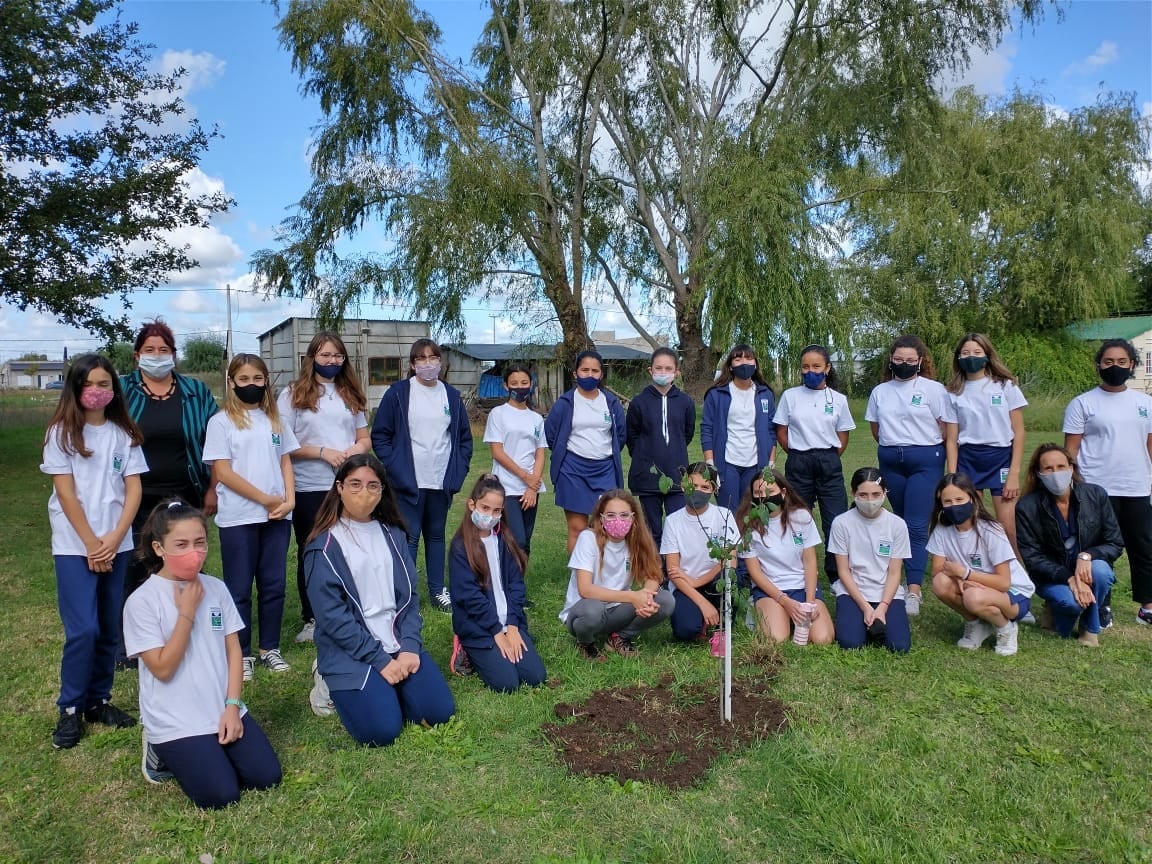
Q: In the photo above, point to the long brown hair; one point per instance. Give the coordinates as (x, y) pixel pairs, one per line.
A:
(1032, 482)
(386, 511)
(995, 368)
(236, 410)
(306, 389)
(68, 419)
(964, 483)
(927, 368)
(469, 534)
(645, 560)
(738, 352)
(749, 521)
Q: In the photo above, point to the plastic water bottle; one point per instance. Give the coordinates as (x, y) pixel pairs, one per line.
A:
(800, 634)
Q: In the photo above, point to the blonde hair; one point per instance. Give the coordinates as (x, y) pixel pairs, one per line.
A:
(235, 409)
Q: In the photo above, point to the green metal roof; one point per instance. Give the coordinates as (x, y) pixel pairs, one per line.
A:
(1126, 327)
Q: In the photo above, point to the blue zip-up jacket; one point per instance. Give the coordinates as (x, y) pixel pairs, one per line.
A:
(197, 404)
(558, 426)
(474, 617)
(346, 651)
(392, 441)
(660, 428)
(714, 424)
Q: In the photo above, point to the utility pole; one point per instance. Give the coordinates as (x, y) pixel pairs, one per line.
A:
(493, 317)
(228, 336)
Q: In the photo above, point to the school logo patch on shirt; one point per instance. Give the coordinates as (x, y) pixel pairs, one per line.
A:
(1143, 412)
(537, 432)
(628, 565)
(917, 399)
(118, 463)
(997, 400)
(975, 561)
(885, 548)
(275, 439)
(216, 616)
(827, 409)
(447, 411)
(765, 406)
(797, 539)
(607, 417)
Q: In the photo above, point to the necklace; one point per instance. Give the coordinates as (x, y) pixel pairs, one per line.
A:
(159, 397)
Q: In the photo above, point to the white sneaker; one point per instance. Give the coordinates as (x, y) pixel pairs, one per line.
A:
(318, 696)
(1006, 639)
(249, 667)
(911, 603)
(975, 634)
(274, 661)
(306, 633)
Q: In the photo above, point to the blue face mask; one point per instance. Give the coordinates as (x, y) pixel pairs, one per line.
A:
(327, 370)
(971, 365)
(520, 394)
(957, 514)
(814, 380)
(587, 383)
(744, 371)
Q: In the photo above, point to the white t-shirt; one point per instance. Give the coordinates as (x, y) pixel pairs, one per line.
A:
(781, 552)
(332, 425)
(1114, 450)
(429, 418)
(741, 450)
(908, 411)
(592, 429)
(492, 549)
(981, 550)
(814, 417)
(192, 700)
(255, 454)
(521, 432)
(99, 482)
(615, 575)
(869, 544)
(369, 558)
(688, 535)
(981, 410)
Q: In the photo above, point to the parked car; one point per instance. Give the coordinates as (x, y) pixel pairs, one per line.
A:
(54, 385)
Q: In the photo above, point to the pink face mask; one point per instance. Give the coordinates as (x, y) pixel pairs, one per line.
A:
(617, 529)
(186, 567)
(96, 398)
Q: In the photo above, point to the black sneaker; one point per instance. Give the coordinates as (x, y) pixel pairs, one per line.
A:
(1106, 611)
(460, 663)
(69, 730)
(109, 715)
(442, 602)
(589, 651)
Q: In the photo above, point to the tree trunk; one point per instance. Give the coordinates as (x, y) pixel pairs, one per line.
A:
(573, 325)
(697, 358)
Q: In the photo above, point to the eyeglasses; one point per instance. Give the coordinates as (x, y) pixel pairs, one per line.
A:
(358, 486)
(626, 516)
(331, 358)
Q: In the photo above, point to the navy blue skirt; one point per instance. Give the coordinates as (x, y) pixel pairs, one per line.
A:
(582, 481)
(985, 465)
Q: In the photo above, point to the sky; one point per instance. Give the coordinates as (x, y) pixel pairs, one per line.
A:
(240, 81)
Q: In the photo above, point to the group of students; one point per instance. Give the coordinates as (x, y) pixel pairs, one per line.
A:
(360, 500)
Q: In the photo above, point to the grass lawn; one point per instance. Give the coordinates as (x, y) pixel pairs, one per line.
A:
(938, 756)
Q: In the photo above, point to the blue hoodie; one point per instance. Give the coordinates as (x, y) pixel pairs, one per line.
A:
(714, 425)
(392, 441)
(474, 617)
(660, 428)
(346, 651)
(558, 427)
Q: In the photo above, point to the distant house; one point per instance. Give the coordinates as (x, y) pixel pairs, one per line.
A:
(378, 349)
(1137, 329)
(35, 374)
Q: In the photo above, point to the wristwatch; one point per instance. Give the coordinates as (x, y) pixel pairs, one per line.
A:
(1084, 556)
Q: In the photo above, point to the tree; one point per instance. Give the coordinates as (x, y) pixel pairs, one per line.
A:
(32, 356)
(202, 354)
(122, 356)
(91, 181)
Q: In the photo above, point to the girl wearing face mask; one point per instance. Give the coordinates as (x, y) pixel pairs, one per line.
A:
(183, 626)
(908, 413)
(249, 450)
(694, 574)
(516, 435)
(422, 435)
(585, 430)
(324, 407)
(486, 573)
(92, 452)
(1068, 537)
(736, 432)
(614, 588)
(986, 443)
(1108, 433)
(870, 545)
(362, 584)
(812, 424)
(172, 412)
(974, 567)
(661, 423)
(782, 563)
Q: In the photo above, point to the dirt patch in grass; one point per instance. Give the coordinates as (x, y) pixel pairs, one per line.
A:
(665, 733)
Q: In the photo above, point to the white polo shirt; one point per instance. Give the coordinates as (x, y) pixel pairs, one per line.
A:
(1114, 450)
(981, 550)
(615, 574)
(870, 545)
(687, 534)
(780, 550)
(592, 428)
(520, 431)
(982, 411)
(331, 425)
(910, 412)
(814, 417)
(429, 418)
(255, 454)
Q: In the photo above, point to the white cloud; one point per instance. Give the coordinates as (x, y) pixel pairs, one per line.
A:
(1107, 54)
(201, 68)
(987, 72)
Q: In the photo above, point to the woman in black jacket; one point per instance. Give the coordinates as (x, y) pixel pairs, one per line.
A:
(1068, 539)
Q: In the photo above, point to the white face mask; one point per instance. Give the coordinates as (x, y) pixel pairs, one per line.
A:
(869, 507)
(156, 365)
(1057, 482)
(485, 521)
(662, 380)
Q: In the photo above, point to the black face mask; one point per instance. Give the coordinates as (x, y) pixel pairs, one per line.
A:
(904, 371)
(776, 500)
(1114, 376)
(250, 394)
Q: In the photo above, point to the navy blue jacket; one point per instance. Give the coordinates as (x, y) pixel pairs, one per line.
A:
(714, 425)
(1041, 545)
(346, 651)
(558, 426)
(474, 617)
(645, 437)
(392, 442)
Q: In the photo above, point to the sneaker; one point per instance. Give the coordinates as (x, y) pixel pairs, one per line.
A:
(69, 730)
(975, 633)
(318, 697)
(274, 661)
(1143, 616)
(621, 645)
(151, 765)
(912, 603)
(1105, 617)
(1029, 618)
(249, 667)
(306, 633)
(108, 714)
(442, 602)
(461, 663)
(1006, 639)
(589, 651)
